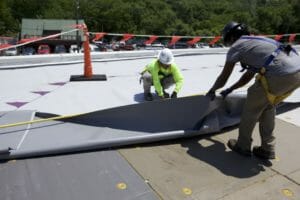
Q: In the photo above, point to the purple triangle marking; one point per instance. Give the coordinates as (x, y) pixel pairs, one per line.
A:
(58, 83)
(17, 104)
(42, 93)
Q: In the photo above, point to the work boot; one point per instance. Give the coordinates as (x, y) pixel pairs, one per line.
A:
(232, 144)
(261, 153)
(148, 96)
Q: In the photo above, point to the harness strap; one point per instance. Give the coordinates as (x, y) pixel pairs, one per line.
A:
(272, 56)
(273, 99)
(262, 39)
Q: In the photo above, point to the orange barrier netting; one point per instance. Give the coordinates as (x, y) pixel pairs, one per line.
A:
(176, 38)
(125, 37)
(151, 38)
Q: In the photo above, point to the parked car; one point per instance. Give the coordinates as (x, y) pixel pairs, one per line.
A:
(11, 52)
(203, 45)
(140, 44)
(93, 48)
(60, 49)
(179, 45)
(43, 49)
(102, 46)
(128, 47)
(28, 51)
(217, 46)
(74, 48)
(154, 46)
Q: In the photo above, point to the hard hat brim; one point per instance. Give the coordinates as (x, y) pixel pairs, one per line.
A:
(167, 63)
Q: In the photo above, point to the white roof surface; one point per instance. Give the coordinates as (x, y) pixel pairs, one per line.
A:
(199, 168)
(60, 96)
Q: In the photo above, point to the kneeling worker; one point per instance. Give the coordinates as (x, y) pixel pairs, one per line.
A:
(162, 73)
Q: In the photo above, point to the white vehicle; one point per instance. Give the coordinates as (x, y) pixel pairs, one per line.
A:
(11, 52)
(154, 46)
(93, 48)
(73, 48)
(203, 45)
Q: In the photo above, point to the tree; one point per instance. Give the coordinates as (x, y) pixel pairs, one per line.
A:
(8, 25)
(168, 17)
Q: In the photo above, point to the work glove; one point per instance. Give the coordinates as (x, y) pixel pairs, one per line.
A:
(161, 97)
(224, 93)
(211, 95)
(174, 95)
(141, 78)
(166, 95)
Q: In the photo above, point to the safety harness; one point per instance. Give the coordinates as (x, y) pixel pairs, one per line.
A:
(273, 99)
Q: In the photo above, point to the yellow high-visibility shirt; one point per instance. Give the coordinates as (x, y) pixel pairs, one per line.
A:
(159, 72)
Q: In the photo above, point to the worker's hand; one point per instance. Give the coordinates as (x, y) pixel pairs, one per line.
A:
(161, 97)
(166, 95)
(141, 78)
(224, 93)
(211, 95)
(174, 95)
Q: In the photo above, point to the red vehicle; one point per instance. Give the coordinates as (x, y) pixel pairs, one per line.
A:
(43, 49)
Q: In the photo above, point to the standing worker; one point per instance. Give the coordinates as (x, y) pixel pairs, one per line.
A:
(278, 74)
(162, 73)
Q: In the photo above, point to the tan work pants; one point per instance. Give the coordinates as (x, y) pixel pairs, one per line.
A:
(148, 82)
(258, 109)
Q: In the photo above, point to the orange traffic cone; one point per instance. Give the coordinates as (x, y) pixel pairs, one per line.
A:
(88, 71)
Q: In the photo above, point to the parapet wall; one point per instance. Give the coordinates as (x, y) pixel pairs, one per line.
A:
(57, 59)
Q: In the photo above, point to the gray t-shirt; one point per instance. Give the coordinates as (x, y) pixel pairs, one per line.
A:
(255, 52)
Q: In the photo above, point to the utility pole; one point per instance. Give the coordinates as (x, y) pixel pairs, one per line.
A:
(77, 22)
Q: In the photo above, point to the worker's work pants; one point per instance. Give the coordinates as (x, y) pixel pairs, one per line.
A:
(166, 82)
(258, 108)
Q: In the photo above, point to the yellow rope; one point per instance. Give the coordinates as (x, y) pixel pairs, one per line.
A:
(39, 120)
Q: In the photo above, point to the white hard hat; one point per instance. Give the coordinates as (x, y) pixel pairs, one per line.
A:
(166, 57)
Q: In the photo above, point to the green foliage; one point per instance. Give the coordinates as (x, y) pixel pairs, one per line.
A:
(159, 17)
(8, 25)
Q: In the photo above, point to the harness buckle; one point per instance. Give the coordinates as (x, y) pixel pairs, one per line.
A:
(262, 71)
(275, 53)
